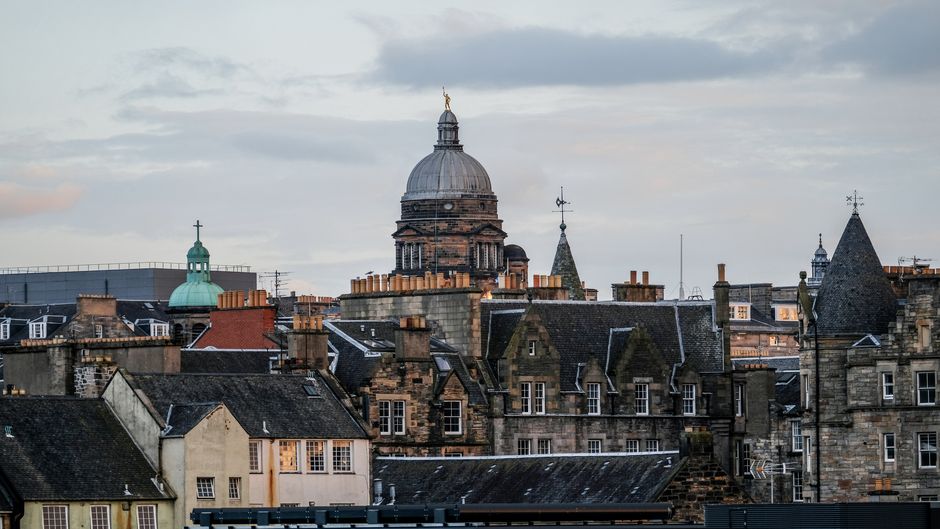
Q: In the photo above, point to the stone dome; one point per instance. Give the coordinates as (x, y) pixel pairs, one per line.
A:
(448, 172)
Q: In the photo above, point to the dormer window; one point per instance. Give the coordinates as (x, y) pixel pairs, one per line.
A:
(532, 347)
(160, 329)
(37, 330)
(740, 312)
(785, 313)
(5, 330)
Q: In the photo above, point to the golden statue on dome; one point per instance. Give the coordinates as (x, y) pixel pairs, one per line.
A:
(446, 99)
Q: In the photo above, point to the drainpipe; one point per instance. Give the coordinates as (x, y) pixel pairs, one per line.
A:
(818, 411)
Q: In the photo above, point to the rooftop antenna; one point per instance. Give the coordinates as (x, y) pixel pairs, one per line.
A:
(277, 275)
(681, 283)
(560, 202)
(853, 200)
(918, 263)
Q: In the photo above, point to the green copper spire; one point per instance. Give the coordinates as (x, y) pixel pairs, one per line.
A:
(198, 290)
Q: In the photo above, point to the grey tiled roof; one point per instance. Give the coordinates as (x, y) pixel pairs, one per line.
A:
(856, 296)
(595, 478)
(184, 417)
(69, 449)
(580, 331)
(129, 310)
(475, 393)
(208, 361)
(276, 403)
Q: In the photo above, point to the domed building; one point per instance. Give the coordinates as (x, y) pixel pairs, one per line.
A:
(198, 290)
(449, 221)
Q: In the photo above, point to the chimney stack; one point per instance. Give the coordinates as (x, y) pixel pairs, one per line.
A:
(722, 292)
(413, 338)
(308, 342)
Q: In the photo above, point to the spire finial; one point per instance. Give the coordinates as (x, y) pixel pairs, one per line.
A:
(853, 200)
(560, 202)
(820, 240)
(197, 225)
(446, 98)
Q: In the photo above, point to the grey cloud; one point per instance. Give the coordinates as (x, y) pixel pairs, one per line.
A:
(537, 56)
(187, 58)
(166, 85)
(904, 40)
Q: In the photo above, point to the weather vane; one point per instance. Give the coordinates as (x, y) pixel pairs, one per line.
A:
(560, 202)
(197, 225)
(853, 200)
(446, 99)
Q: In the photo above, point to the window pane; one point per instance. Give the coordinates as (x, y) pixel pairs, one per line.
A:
(398, 417)
(55, 517)
(316, 456)
(540, 397)
(452, 417)
(641, 399)
(524, 447)
(146, 517)
(688, 399)
(342, 456)
(254, 456)
(100, 517)
(288, 453)
(927, 447)
(205, 487)
(545, 446)
(385, 417)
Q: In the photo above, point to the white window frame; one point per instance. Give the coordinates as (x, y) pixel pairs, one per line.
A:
(254, 457)
(593, 398)
(739, 396)
(159, 329)
(539, 398)
(532, 347)
(544, 446)
(632, 445)
(5, 330)
(55, 522)
(99, 330)
(525, 398)
(641, 399)
(150, 512)
(234, 486)
(931, 388)
(92, 519)
(921, 451)
(398, 417)
(523, 446)
(652, 445)
(736, 312)
(445, 416)
(890, 448)
(688, 399)
(887, 385)
(315, 449)
(797, 484)
(796, 435)
(595, 446)
(205, 488)
(808, 454)
(342, 463)
(385, 417)
(37, 330)
(281, 445)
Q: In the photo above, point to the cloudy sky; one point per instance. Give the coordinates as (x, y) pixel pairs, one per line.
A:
(289, 129)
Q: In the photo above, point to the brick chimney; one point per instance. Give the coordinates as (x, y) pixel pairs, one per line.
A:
(96, 305)
(635, 291)
(722, 291)
(413, 339)
(308, 342)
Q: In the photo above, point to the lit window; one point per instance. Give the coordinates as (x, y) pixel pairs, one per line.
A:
(160, 329)
(797, 486)
(100, 517)
(796, 436)
(540, 398)
(316, 456)
(532, 347)
(887, 386)
(739, 400)
(523, 447)
(5, 330)
(594, 446)
(342, 456)
(926, 388)
(688, 399)
(633, 445)
(234, 488)
(146, 517)
(786, 314)
(641, 400)
(740, 312)
(453, 423)
(55, 517)
(652, 445)
(773, 340)
(37, 330)
(205, 488)
(288, 453)
(890, 447)
(545, 446)
(927, 450)
(594, 399)
(525, 397)
(254, 456)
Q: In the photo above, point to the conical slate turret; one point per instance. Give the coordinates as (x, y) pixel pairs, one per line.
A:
(565, 267)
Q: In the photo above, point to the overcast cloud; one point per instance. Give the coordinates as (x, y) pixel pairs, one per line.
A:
(290, 128)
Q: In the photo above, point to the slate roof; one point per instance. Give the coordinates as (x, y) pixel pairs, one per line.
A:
(856, 296)
(69, 449)
(564, 266)
(595, 478)
(475, 394)
(787, 392)
(131, 311)
(209, 361)
(184, 417)
(276, 403)
(580, 331)
(359, 344)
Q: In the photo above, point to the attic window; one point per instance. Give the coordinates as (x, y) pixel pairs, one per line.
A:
(442, 363)
(740, 312)
(311, 390)
(5, 330)
(159, 329)
(37, 329)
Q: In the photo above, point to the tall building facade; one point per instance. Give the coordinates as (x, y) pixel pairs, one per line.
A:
(449, 221)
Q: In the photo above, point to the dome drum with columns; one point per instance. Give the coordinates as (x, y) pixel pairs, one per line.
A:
(449, 221)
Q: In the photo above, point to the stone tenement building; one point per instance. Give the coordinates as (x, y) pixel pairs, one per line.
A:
(449, 221)
(869, 364)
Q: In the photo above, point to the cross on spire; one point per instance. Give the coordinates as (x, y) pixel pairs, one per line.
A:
(197, 225)
(560, 202)
(853, 200)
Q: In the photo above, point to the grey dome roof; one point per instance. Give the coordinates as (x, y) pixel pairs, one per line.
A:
(448, 172)
(514, 252)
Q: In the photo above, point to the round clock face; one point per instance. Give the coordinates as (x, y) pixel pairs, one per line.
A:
(448, 206)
